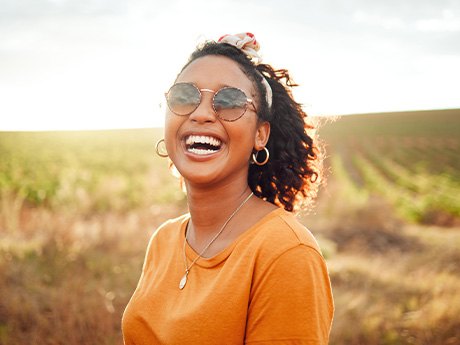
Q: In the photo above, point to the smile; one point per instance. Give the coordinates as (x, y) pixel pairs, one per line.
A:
(202, 144)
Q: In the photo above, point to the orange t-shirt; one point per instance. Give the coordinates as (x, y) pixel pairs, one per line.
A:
(271, 286)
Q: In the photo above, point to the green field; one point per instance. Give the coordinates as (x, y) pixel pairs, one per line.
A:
(411, 159)
(77, 208)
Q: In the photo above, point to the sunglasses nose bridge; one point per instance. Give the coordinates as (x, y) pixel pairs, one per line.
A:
(205, 111)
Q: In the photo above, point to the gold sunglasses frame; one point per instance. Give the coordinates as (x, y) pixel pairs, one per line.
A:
(248, 100)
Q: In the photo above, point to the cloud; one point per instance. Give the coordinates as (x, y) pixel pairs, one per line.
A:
(37, 9)
(112, 57)
(447, 22)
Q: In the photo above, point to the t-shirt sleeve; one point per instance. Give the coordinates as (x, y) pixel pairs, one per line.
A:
(291, 301)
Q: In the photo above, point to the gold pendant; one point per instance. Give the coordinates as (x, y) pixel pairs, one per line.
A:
(183, 281)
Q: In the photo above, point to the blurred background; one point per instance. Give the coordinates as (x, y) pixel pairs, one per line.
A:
(81, 190)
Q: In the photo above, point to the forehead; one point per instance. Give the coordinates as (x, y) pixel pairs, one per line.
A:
(215, 71)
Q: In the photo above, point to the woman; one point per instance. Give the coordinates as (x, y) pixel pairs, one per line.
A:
(239, 268)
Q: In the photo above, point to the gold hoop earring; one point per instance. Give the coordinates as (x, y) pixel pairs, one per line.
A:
(267, 156)
(157, 149)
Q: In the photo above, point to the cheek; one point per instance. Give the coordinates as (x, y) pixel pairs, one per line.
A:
(244, 136)
(172, 124)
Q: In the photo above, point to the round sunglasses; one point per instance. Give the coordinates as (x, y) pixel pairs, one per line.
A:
(229, 103)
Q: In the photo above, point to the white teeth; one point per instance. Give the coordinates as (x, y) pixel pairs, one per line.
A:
(202, 139)
(200, 151)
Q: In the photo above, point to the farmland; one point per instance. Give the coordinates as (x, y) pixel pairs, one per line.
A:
(391, 211)
(77, 208)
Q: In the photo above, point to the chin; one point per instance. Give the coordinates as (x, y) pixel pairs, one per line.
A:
(200, 179)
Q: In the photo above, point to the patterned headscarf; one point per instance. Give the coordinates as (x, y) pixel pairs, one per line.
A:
(247, 43)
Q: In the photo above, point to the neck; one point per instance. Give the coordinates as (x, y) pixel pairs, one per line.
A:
(210, 208)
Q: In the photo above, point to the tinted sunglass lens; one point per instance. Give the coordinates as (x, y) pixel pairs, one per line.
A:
(183, 98)
(230, 103)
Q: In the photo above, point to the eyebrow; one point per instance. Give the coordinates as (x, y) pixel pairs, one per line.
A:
(219, 86)
(251, 93)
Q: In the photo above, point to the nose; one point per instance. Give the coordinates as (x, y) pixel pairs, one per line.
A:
(205, 111)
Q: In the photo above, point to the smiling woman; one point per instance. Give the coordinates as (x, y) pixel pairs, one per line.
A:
(239, 268)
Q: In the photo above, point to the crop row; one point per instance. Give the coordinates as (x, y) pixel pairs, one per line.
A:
(417, 200)
(88, 171)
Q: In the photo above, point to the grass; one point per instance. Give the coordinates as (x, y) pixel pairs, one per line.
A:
(77, 209)
(393, 282)
(411, 159)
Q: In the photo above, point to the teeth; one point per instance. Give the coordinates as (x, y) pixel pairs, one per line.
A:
(200, 151)
(202, 139)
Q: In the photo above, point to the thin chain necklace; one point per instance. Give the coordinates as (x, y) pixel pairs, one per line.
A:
(183, 281)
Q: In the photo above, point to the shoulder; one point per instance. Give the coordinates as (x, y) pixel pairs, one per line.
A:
(290, 279)
(280, 233)
(281, 230)
(171, 225)
(168, 232)
(299, 233)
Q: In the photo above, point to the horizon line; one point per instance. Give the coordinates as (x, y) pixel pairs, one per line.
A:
(160, 127)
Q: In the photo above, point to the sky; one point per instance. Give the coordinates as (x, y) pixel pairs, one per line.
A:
(101, 64)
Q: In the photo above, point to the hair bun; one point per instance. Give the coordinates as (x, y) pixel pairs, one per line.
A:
(246, 42)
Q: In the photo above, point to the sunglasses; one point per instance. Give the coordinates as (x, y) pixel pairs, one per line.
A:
(229, 103)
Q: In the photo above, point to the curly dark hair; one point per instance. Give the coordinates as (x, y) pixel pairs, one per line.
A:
(292, 175)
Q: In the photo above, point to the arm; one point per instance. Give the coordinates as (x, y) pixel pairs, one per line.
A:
(291, 301)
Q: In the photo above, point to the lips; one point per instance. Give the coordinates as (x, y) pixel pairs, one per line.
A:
(202, 144)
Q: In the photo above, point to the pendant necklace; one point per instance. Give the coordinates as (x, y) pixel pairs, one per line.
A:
(183, 281)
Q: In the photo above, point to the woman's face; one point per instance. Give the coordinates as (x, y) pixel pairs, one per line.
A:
(233, 142)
